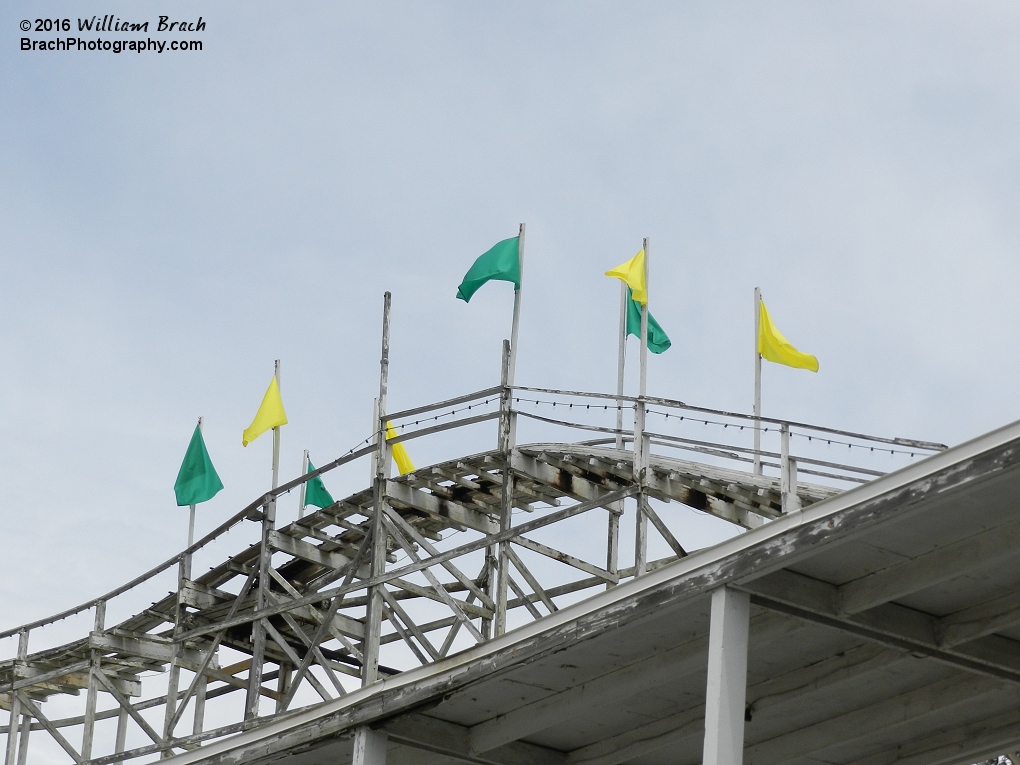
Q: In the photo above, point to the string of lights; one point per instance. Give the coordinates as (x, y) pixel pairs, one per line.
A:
(450, 413)
(569, 405)
(718, 423)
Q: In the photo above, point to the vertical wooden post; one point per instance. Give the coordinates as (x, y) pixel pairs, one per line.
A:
(613, 531)
(727, 677)
(174, 677)
(757, 382)
(12, 738)
(788, 474)
(199, 724)
(613, 541)
(122, 721)
(26, 728)
(369, 746)
(506, 445)
(258, 630)
(641, 461)
(283, 684)
(88, 731)
(374, 615)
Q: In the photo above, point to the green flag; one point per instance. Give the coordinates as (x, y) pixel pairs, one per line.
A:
(501, 263)
(316, 494)
(657, 339)
(197, 481)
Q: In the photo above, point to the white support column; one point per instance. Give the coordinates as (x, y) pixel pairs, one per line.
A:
(369, 746)
(727, 677)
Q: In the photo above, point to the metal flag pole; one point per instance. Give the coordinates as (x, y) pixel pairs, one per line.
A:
(757, 382)
(276, 439)
(640, 442)
(304, 486)
(517, 307)
(621, 361)
(191, 519)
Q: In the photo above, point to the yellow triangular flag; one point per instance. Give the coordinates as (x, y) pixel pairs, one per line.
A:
(269, 415)
(632, 273)
(774, 347)
(400, 456)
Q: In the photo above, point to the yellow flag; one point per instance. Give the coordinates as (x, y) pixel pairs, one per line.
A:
(404, 464)
(269, 415)
(632, 273)
(774, 347)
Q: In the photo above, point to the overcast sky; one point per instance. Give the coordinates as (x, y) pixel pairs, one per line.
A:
(172, 223)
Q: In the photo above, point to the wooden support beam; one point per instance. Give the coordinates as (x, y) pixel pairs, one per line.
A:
(932, 568)
(452, 740)
(443, 509)
(980, 620)
(148, 647)
(308, 552)
(894, 625)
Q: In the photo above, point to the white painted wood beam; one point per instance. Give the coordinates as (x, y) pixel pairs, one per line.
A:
(727, 677)
(369, 746)
(980, 620)
(930, 569)
(891, 624)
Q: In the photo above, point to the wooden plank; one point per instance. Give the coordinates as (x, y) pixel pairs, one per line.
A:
(149, 647)
(308, 552)
(455, 513)
(900, 710)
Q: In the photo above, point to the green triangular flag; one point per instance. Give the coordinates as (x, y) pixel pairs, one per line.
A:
(501, 263)
(315, 491)
(197, 480)
(657, 339)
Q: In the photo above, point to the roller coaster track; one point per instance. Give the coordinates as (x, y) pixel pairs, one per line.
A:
(409, 570)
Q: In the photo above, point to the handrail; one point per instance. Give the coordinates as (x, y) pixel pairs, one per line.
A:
(448, 402)
(676, 404)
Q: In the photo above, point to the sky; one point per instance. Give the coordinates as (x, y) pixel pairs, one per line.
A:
(172, 223)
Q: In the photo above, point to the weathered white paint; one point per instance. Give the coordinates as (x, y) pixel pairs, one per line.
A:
(369, 746)
(727, 677)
